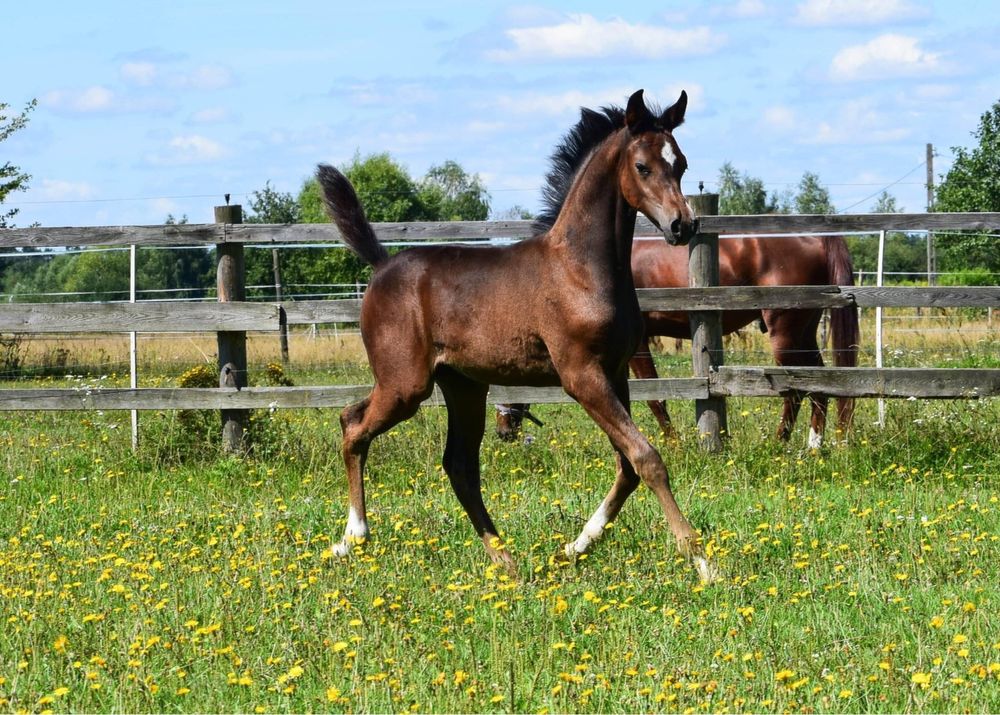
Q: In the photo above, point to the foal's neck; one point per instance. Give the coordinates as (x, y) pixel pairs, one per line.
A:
(596, 223)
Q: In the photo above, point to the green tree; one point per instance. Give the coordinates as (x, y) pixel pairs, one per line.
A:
(742, 194)
(448, 193)
(389, 194)
(904, 252)
(972, 184)
(14, 270)
(11, 177)
(271, 206)
(812, 197)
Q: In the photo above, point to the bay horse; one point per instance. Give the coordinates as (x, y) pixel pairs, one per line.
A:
(793, 260)
(558, 308)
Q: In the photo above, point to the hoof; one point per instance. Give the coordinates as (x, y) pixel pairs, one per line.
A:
(345, 548)
(708, 572)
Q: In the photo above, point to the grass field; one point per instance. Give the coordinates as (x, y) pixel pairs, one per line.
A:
(864, 578)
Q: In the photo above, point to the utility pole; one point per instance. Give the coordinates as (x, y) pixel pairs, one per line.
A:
(931, 256)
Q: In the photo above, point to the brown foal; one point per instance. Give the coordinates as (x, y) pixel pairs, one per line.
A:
(558, 308)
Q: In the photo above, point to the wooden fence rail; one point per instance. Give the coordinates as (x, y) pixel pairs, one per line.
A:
(270, 234)
(720, 382)
(183, 317)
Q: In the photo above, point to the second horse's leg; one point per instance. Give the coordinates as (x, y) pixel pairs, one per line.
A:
(643, 367)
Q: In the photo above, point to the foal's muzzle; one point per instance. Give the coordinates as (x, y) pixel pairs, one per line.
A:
(681, 232)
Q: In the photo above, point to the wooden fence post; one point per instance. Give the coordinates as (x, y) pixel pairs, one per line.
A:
(706, 325)
(283, 328)
(231, 283)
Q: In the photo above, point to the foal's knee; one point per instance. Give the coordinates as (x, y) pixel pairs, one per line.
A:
(647, 463)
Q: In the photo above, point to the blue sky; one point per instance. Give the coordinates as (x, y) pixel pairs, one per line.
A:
(155, 108)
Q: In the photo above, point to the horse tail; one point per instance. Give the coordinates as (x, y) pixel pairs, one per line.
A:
(843, 321)
(345, 209)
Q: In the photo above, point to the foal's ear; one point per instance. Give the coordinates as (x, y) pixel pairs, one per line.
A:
(638, 118)
(673, 117)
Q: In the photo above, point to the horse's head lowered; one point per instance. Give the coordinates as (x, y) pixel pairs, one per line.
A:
(652, 166)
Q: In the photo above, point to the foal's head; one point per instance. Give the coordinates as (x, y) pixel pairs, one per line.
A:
(652, 166)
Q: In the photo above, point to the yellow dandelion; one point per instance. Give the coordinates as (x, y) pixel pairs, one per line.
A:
(332, 694)
(921, 679)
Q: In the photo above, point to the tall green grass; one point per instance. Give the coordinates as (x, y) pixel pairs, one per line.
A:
(859, 578)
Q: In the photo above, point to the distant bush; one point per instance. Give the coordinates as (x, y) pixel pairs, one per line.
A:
(969, 277)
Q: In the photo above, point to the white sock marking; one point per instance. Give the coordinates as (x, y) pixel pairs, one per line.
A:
(356, 532)
(592, 531)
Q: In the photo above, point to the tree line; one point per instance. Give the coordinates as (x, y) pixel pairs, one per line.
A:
(448, 192)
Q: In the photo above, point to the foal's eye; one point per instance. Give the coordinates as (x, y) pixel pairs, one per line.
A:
(642, 169)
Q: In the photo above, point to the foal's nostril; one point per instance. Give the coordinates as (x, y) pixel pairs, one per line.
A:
(675, 227)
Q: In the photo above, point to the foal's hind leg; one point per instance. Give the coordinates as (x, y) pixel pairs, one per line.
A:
(361, 423)
(643, 366)
(466, 402)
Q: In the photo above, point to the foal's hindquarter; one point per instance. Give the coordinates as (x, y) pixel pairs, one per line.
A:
(559, 308)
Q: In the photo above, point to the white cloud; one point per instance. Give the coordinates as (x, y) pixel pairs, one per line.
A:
(820, 13)
(585, 37)
(569, 102)
(188, 149)
(859, 122)
(142, 74)
(203, 77)
(387, 91)
(739, 10)
(211, 115)
(99, 99)
(60, 190)
(884, 57)
(92, 99)
(780, 118)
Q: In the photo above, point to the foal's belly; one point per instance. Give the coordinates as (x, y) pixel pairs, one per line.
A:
(497, 360)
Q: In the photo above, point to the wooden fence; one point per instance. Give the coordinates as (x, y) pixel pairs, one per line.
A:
(232, 317)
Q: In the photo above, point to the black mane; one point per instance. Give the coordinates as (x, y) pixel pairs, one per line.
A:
(592, 129)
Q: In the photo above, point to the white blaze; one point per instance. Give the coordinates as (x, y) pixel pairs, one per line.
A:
(668, 154)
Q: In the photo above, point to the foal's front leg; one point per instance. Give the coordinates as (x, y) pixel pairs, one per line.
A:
(606, 402)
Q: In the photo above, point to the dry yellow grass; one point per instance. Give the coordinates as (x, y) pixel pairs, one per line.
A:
(937, 331)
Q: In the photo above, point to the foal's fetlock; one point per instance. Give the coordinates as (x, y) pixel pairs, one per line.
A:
(694, 550)
(346, 546)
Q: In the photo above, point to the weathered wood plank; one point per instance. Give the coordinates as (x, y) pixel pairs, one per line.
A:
(743, 297)
(681, 388)
(211, 234)
(294, 397)
(947, 383)
(756, 297)
(832, 223)
(941, 383)
(936, 297)
(306, 312)
(160, 317)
